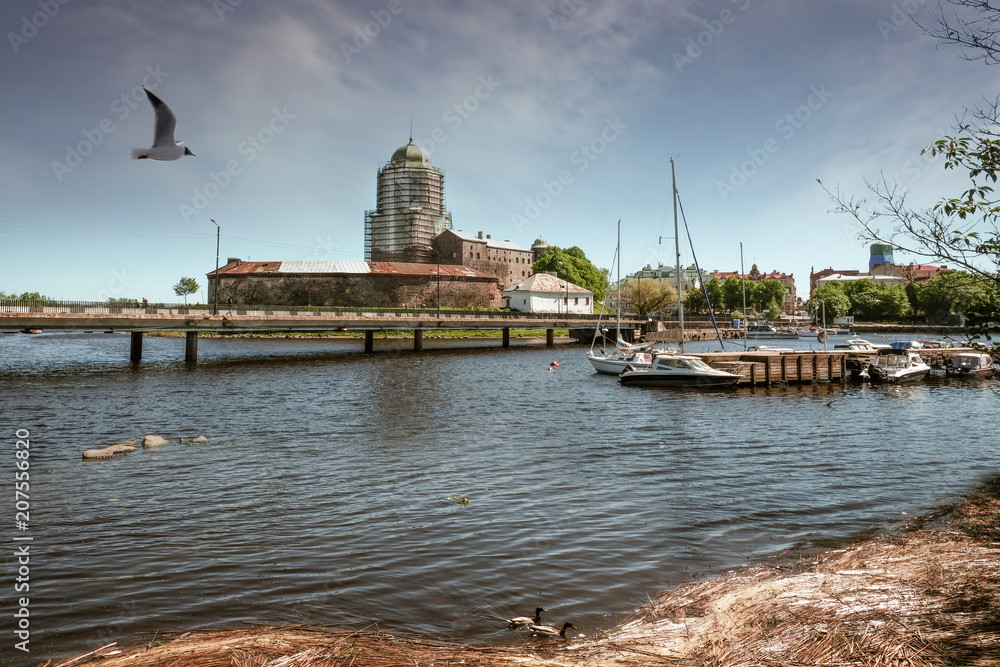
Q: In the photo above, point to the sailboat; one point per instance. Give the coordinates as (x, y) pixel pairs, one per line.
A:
(677, 370)
(625, 354)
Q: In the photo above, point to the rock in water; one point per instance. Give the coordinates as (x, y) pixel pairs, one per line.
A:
(200, 440)
(153, 441)
(111, 450)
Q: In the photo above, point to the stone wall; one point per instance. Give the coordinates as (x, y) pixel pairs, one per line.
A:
(356, 290)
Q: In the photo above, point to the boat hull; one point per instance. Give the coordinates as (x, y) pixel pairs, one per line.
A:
(899, 377)
(677, 380)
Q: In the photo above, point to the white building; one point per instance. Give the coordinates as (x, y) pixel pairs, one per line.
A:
(545, 293)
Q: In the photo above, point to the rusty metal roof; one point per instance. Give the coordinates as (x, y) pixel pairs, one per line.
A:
(400, 268)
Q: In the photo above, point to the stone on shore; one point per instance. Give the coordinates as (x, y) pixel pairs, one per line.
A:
(153, 441)
(111, 450)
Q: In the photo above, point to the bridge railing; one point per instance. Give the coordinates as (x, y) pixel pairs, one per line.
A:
(122, 307)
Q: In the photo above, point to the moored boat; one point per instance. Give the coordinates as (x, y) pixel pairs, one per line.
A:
(893, 365)
(762, 331)
(970, 364)
(678, 370)
(860, 344)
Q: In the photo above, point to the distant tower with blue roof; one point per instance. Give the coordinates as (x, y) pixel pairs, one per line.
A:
(881, 253)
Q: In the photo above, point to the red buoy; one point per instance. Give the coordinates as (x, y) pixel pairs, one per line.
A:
(554, 363)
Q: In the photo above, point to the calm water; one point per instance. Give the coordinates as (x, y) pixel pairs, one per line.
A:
(322, 494)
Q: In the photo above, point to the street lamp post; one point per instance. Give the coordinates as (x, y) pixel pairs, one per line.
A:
(218, 234)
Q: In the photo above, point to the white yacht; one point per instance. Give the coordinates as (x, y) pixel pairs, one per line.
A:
(678, 370)
(898, 366)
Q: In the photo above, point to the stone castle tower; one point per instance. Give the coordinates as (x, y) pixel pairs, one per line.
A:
(409, 211)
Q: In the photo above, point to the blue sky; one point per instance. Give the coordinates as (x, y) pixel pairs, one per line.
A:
(554, 118)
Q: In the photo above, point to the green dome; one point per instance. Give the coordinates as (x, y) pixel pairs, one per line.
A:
(412, 155)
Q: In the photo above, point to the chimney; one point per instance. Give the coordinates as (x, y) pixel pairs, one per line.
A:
(233, 260)
(480, 235)
(487, 236)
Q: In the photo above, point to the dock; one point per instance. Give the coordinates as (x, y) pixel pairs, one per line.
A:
(772, 367)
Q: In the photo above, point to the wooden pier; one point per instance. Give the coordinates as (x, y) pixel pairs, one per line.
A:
(770, 367)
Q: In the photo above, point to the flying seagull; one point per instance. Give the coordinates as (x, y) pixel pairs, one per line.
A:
(164, 147)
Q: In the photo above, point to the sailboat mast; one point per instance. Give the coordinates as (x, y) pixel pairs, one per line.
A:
(677, 248)
(743, 283)
(618, 330)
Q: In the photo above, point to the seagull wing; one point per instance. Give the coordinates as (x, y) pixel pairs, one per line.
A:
(163, 135)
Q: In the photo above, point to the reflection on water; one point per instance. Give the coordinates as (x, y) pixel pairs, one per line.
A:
(322, 494)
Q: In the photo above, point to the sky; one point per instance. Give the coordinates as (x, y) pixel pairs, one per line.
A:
(553, 119)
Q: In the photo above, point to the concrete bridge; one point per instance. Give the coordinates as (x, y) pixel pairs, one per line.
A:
(192, 321)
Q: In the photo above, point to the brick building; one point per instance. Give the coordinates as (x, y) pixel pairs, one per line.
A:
(353, 284)
(509, 262)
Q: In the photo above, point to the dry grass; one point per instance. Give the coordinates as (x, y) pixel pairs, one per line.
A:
(930, 596)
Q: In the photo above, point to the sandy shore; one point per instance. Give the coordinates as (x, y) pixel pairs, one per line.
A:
(927, 596)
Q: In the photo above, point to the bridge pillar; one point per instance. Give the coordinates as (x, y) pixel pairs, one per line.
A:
(135, 354)
(369, 341)
(418, 340)
(550, 337)
(191, 347)
(506, 336)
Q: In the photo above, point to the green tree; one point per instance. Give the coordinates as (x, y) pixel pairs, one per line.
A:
(186, 286)
(572, 264)
(732, 293)
(648, 296)
(836, 302)
(694, 302)
(957, 292)
(768, 297)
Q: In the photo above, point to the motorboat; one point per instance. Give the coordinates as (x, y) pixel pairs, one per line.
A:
(894, 365)
(768, 348)
(762, 330)
(906, 345)
(678, 370)
(861, 345)
(970, 363)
